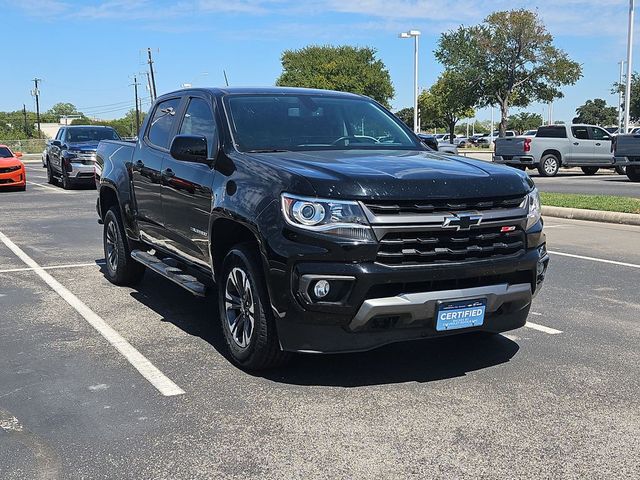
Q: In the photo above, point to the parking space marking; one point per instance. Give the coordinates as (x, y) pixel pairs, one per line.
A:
(47, 187)
(54, 267)
(593, 259)
(542, 328)
(149, 371)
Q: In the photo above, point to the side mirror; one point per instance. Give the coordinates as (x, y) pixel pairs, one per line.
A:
(190, 148)
(56, 143)
(18, 154)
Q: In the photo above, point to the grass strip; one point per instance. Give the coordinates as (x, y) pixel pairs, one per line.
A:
(607, 203)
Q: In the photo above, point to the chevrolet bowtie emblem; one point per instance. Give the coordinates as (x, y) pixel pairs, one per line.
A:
(461, 222)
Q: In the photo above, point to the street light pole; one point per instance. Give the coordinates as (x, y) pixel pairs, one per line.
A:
(415, 34)
(627, 89)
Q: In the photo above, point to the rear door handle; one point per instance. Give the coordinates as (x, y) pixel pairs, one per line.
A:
(168, 173)
(598, 144)
(139, 164)
(576, 143)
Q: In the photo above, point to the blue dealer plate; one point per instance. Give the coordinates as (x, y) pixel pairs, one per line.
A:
(460, 314)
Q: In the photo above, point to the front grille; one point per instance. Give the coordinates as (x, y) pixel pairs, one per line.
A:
(9, 169)
(444, 246)
(448, 206)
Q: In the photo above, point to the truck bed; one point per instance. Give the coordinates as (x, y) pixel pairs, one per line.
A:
(509, 146)
(627, 146)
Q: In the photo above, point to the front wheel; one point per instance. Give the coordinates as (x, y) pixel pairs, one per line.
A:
(247, 321)
(633, 173)
(590, 170)
(50, 178)
(66, 181)
(549, 166)
(121, 269)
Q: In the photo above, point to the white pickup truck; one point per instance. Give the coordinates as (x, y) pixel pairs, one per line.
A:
(555, 146)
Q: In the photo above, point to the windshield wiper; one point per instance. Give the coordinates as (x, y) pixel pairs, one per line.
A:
(267, 150)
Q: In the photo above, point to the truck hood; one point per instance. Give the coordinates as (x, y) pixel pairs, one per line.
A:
(84, 146)
(399, 174)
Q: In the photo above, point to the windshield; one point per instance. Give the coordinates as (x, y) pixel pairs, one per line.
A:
(88, 134)
(5, 152)
(276, 122)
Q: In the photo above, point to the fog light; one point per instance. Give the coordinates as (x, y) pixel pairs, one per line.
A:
(321, 288)
(540, 268)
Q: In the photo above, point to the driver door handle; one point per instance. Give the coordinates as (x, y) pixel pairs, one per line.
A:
(598, 144)
(139, 164)
(576, 143)
(167, 173)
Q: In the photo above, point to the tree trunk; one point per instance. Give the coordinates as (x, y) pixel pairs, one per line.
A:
(452, 129)
(504, 117)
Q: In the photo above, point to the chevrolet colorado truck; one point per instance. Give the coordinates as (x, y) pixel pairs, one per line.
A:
(626, 151)
(69, 158)
(324, 222)
(555, 146)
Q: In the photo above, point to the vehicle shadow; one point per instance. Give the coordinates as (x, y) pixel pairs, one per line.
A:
(417, 361)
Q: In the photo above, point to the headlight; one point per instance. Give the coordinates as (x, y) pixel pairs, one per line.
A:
(70, 153)
(535, 209)
(338, 218)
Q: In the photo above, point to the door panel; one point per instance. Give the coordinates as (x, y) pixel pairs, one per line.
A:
(187, 188)
(602, 146)
(582, 147)
(148, 162)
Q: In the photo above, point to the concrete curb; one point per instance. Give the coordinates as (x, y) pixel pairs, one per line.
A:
(592, 215)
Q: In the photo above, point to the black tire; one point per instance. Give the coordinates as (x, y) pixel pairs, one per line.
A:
(253, 343)
(620, 170)
(549, 166)
(589, 170)
(633, 173)
(50, 178)
(120, 268)
(66, 181)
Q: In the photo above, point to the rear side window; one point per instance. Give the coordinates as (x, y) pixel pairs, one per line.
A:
(162, 122)
(552, 132)
(581, 133)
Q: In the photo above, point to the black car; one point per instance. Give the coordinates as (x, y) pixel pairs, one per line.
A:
(325, 222)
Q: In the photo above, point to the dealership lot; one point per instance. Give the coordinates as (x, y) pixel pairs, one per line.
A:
(556, 399)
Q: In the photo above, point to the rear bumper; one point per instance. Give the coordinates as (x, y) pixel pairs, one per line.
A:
(626, 161)
(515, 160)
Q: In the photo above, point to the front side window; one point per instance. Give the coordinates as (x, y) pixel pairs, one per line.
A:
(5, 152)
(310, 122)
(161, 123)
(599, 134)
(198, 120)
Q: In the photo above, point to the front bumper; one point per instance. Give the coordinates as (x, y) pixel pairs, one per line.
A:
(514, 160)
(17, 178)
(81, 171)
(384, 305)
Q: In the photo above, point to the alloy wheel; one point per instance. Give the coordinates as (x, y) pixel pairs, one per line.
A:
(112, 246)
(239, 307)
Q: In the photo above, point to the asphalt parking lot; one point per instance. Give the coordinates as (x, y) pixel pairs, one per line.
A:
(556, 399)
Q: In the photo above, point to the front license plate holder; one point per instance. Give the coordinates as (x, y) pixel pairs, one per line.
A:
(459, 314)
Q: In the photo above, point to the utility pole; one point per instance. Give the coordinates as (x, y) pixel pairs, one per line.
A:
(135, 90)
(627, 89)
(153, 78)
(36, 93)
(621, 63)
(24, 115)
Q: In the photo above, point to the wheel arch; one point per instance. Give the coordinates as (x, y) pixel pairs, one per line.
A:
(554, 152)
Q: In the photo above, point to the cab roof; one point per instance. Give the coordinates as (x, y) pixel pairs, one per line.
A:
(221, 91)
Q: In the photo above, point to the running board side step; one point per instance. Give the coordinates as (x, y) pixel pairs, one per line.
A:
(188, 282)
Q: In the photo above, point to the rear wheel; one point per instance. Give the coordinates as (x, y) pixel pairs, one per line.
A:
(247, 321)
(633, 173)
(121, 269)
(549, 166)
(590, 170)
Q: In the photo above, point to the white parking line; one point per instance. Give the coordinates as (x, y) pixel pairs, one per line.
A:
(149, 371)
(542, 328)
(53, 267)
(593, 259)
(57, 190)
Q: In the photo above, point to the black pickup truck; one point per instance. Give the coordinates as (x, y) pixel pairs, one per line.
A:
(324, 221)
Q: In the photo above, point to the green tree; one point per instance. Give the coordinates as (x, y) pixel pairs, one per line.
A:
(343, 68)
(125, 126)
(634, 104)
(61, 109)
(512, 59)
(448, 101)
(596, 112)
(406, 115)
(523, 121)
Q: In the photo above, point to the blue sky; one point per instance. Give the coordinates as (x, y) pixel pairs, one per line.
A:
(87, 51)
